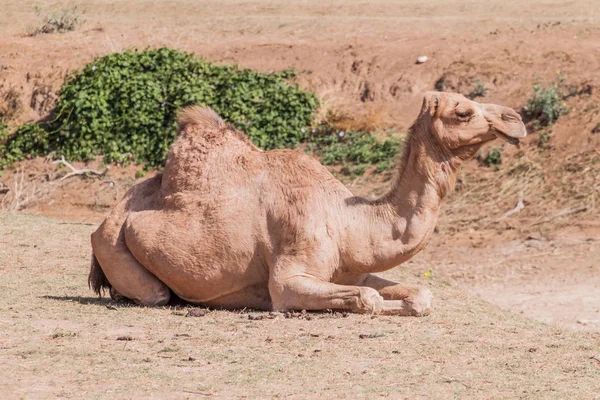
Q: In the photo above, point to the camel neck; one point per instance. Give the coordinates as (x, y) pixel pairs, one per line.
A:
(424, 170)
(400, 223)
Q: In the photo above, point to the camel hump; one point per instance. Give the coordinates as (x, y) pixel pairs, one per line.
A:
(199, 115)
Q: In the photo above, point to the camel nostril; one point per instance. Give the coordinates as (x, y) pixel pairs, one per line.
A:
(511, 117)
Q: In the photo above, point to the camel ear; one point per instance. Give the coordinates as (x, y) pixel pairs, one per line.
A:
(431, 104)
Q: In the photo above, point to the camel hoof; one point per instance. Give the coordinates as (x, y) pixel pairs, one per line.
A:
(419, 304)
(370, 300)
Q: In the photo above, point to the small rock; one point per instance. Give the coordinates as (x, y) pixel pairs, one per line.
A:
(422, 59)
(196, 312)
(125, 338)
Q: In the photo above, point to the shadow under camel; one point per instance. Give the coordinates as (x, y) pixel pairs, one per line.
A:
(99, 301)
(107, 301)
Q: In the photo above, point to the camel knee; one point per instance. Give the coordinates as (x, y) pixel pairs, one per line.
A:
(419, 302)
(158, 296)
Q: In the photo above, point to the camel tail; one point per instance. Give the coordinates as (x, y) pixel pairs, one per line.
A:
(199, 115)
(96, 279)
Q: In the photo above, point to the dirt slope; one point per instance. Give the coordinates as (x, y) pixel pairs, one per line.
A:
(58, 340)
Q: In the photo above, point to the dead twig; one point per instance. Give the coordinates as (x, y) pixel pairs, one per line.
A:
(21, 192)
(75, 171)
(516, 209)
(560, 214)
(200, 393)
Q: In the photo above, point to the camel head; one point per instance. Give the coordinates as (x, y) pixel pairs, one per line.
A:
(458, 122)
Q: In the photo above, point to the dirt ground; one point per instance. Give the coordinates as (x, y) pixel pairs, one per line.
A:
(359, 57)
(60, 341)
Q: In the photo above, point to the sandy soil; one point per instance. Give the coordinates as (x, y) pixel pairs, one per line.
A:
(360, 58)
(59, 341)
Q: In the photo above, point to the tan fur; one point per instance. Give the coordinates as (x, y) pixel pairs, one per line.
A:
(227, 225)
(197, 115)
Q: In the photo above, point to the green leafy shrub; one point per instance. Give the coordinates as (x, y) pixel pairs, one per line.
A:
(124, 105)
(355, 150)
(28, 140)
(546, 104)
(493, 157)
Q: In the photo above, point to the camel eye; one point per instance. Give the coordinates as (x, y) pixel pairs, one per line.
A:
(464, 114)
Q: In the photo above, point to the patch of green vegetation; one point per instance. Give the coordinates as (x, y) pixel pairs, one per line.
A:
(354, 150)
(479, 90)
(62, 21)
(544, 138)
(493, 157)
(3, 132)
(547, 103)
(28, 140)
(124, 105)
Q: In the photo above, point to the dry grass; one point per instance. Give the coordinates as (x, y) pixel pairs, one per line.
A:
(568, 188)
(22, 191)
(10, 104)
(373, 121)
(60, 341)
(62, 21)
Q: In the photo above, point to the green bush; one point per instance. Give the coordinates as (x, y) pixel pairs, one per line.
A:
(546, 104)
(28, 140)
(355, 150)
(479, 90)
(124, 105)
(493, 157)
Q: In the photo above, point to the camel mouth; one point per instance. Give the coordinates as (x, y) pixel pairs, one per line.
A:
(510, 139)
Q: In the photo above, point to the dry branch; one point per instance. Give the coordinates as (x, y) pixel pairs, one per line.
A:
(560, 214)
(21, 192)
(75, 171)
(517, 208)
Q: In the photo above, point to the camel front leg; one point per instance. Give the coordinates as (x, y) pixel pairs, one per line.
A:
(400, 299)
(303, 292)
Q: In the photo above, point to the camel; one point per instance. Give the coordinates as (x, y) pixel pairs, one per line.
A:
(227, 225)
